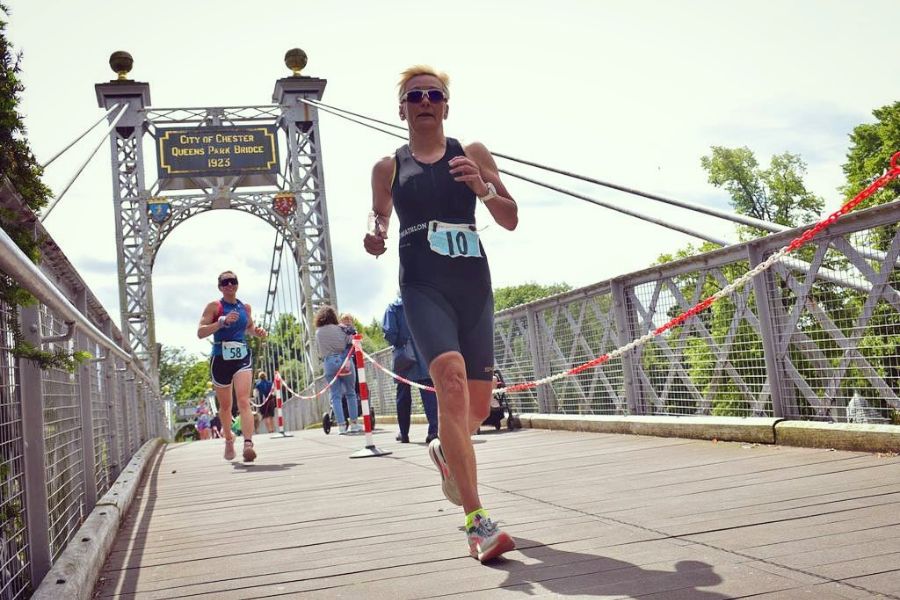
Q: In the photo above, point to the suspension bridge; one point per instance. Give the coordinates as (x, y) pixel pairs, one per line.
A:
(758, 382)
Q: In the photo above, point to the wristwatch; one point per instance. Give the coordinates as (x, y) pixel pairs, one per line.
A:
(491, 192)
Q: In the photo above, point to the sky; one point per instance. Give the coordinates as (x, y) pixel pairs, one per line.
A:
(633, 93)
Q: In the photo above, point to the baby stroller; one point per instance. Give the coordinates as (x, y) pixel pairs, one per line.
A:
(500, 407)
(329, 420)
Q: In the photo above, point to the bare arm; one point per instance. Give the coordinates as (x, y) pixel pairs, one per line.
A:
(476, 169)
(251, 328)
(382, 205)
(208, 322)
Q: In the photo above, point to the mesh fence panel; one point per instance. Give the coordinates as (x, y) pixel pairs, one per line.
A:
(572, 334)
(62, 439)
(514, 357)
(837, 329)
(14, 560)
(712, 364)
(101, 422)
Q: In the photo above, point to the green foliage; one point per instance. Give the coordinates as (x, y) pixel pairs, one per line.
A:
(373, 337)
(194, 382)
(776, 194)
(173, 364)
(18, 164)
(514, 295)
(871, 148)
(16, 159)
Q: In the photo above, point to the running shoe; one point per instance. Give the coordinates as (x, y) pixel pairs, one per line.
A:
(229, 449)
(356, 428)
(486, 541)
(448, 484)
(342, 430)
(249, 452)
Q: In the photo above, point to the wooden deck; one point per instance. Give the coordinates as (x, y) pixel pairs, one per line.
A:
(595, 516)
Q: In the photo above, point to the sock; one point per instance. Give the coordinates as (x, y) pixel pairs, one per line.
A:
(470, 518)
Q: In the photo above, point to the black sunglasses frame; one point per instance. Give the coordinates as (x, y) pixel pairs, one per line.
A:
(228, 281)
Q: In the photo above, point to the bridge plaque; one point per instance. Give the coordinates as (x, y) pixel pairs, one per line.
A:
(217, 151)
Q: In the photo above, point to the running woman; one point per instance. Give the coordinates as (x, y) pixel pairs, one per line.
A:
(434, 183)
(229, 321)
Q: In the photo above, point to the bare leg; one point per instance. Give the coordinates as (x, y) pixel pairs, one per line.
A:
(242, 381)
(270, 424)
(461, 404)
(223, 395)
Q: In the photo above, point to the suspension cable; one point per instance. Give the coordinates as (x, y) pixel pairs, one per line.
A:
(78, 139)
(112, 126)
(626, 211)
(736, 218)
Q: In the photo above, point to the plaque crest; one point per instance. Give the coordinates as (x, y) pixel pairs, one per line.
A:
(284, 204)
(159, 210)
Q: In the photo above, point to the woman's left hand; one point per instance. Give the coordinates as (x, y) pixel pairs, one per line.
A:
(466, 170)
(260, 332)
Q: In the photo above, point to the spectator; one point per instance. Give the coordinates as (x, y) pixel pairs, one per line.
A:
(332, 342)
(203, 420)
(266, 400)
(408, 363)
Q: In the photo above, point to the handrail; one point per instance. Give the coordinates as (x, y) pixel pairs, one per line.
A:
(17, 265)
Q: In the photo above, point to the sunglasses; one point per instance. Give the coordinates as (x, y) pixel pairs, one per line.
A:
(228, 281)
(416, 96)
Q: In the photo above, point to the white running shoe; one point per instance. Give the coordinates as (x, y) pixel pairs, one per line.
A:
(486, 541)
(448, 484)
(356, 428)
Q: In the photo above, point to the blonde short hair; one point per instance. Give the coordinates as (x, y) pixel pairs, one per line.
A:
(415, 70)
(345, 317)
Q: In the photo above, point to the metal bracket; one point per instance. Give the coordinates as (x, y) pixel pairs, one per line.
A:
(70, 330)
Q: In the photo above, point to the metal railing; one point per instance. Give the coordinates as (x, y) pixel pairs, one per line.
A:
(64, 436)
(816, 337)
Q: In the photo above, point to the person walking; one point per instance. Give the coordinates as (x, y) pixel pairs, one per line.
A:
(230, 321)
(408, 363)
(434, 183)
(332, 341)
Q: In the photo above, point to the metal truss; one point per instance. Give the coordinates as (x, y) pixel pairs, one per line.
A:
(226, 114)
(815, 337)
(304, 230)
(134, 267)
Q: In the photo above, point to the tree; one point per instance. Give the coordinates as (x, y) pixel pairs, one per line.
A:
(173, 364)
(872, 145)
(776, 194)
(193, 383)
(373, 337)
(514, 295)
(18, 164)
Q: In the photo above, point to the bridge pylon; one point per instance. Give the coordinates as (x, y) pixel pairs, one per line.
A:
(218, 158)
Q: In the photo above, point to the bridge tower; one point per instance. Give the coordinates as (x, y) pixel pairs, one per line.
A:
(289, 195)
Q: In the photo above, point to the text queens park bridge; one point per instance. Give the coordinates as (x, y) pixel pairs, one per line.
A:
(217, 158)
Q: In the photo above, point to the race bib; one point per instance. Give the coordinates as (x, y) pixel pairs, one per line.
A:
(454, 239)
(234, 350)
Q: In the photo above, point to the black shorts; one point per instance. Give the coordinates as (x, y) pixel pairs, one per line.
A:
(222, 371)
(452, 321)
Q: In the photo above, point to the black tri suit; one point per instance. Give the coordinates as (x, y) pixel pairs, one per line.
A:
(445, 281)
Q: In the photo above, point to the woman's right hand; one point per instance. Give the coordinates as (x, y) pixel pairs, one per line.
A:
(374, 240)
